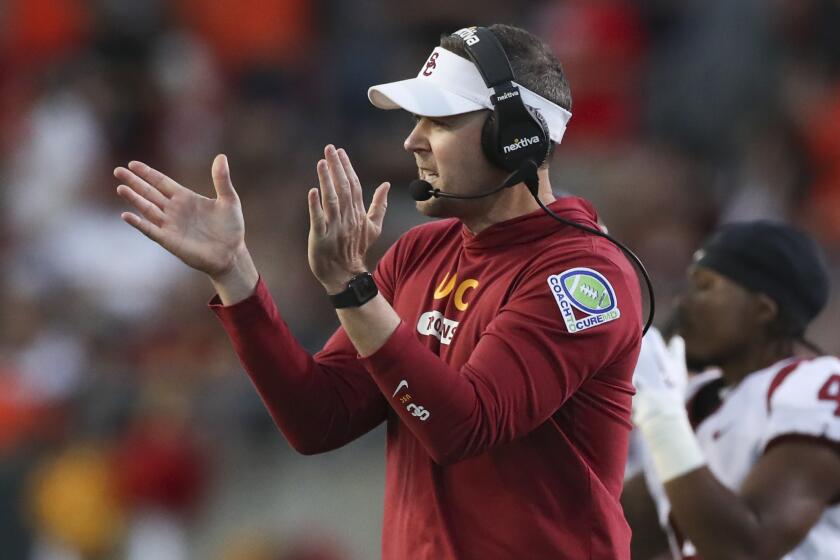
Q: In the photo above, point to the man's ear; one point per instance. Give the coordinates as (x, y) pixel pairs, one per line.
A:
(766, 309)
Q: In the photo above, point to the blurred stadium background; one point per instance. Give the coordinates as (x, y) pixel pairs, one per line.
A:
(127, 428)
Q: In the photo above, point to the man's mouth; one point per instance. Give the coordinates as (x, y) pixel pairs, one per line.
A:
(426, 174)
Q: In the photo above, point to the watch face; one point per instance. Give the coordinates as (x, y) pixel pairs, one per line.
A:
(364, 287)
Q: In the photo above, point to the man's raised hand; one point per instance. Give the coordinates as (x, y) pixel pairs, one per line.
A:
(203, 232)
(341, 230)
(208, 234)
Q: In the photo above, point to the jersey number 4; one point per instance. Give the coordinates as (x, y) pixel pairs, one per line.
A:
(831, 392)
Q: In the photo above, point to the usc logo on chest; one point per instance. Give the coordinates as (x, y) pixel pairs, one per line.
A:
(447, 286)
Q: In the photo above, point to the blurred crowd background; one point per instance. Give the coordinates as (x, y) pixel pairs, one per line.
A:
(127, 427)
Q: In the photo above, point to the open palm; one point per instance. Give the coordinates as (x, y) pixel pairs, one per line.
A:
(203, 232)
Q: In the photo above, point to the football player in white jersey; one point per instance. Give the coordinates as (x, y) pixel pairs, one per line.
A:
(744, 462)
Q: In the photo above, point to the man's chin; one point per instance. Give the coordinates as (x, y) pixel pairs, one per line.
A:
(433, 208)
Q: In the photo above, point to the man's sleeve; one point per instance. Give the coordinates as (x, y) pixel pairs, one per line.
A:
(319, 402)
(803, 401)
(526, 364)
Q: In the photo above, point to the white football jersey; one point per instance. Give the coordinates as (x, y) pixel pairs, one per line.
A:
(795, 397)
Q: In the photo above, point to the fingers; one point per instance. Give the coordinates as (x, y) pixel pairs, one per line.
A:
(141, 187)
(143, 226)
(317, 220)
(341, 190)
(221, 178)
(150, 211)
(329, 198)
(339, 180)
(379, 204)
(353, 179)
(155, 178)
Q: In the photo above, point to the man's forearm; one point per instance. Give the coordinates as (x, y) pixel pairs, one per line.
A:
(319, 404)
(370, 325)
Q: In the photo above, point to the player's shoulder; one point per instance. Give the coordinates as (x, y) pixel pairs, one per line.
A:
(803, 399)
(812, 383)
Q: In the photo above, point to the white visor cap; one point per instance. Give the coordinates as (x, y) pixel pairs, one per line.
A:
(451, 85)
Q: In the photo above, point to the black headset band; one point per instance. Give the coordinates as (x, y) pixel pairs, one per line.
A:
(488, 55)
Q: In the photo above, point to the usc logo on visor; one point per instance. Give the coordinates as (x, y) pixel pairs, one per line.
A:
(447, 286)
(431, 64)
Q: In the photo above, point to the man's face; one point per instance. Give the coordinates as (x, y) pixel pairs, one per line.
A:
(718, 318)
(447, 151)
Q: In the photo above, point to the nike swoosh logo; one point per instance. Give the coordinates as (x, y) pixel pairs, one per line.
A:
(402, 384)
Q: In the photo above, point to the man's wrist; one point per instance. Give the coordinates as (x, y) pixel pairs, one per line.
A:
(336, 286)
(239, 281)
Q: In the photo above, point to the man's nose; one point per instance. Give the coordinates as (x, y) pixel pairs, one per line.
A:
(417, 140)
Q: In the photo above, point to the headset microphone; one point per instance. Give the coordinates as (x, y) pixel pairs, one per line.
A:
(420, 190)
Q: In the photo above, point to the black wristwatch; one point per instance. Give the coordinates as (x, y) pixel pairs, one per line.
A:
(360, 290)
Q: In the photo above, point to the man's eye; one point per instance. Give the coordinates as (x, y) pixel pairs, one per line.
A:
(439, 123)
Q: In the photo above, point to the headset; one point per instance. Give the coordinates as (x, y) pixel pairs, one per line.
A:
(515, 137)
(514, 132)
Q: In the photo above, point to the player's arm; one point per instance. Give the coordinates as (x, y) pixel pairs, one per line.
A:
(784, 495)
(319, 403)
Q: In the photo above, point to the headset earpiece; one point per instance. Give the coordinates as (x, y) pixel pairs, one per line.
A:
(510, 146)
